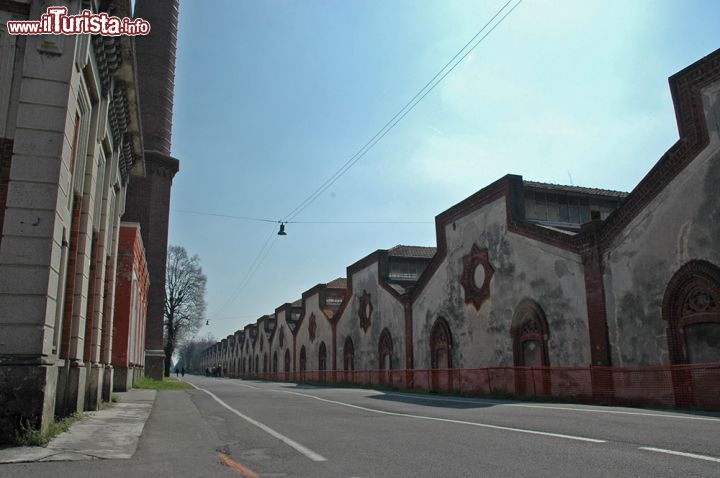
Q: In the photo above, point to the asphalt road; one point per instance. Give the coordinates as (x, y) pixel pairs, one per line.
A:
(230, 427)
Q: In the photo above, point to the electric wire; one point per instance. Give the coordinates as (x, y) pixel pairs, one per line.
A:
(247, 218)
(409, 106)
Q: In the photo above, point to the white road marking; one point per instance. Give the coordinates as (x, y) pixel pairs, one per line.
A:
(423, 417)
(525, 405)
(681, 453)
(552, 407)
(288, 441)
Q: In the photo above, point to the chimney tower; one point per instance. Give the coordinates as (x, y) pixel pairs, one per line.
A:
(148, 198)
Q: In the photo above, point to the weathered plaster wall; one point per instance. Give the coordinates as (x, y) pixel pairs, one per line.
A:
(323, 333)
(682, 223)
(524, 268)
(386, 312)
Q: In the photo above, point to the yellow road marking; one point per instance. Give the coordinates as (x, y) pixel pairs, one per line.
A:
(243, 470)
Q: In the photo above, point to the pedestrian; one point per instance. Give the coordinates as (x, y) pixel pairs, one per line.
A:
(177, 371)
(182, 371)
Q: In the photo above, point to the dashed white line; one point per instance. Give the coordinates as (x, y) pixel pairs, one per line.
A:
(424, 417)
(681, 453)
(288, 441)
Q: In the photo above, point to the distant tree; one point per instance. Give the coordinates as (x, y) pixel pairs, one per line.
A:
(184, 300)
(191, 352)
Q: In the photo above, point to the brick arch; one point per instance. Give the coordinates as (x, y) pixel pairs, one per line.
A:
(348, 354)
(529, 331)
(385, 350)
(441, 344)
(691, 306)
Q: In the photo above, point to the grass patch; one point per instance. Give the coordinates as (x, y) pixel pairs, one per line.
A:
(168, 383)
(28, 435)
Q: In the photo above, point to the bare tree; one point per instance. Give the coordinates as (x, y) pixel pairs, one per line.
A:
(190, 354)
(184, 300)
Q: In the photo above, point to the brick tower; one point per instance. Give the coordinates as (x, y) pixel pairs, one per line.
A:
(148, 199)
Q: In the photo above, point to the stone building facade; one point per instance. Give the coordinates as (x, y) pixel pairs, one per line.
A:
(527, 274)
(70, 139)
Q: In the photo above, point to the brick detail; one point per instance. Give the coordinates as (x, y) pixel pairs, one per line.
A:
(156, 71)
(597, 315)
(91, 301)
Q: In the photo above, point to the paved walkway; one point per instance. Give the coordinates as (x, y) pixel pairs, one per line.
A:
(112, 433)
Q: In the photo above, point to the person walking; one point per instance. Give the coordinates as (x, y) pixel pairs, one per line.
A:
(182, 371)
(177, 371)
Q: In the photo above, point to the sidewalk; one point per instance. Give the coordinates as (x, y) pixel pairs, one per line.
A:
(112, 433)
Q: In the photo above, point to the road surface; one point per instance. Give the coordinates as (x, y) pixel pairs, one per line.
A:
(229, 427)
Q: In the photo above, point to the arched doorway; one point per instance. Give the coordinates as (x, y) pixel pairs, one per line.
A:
(257, 364)
(303, 359)
(322, 360)
(348, 355)
(441, 345)
(275, 362)
(529, 331)
(385, 350)
(691, 311)
(287, 360)
(441, 355)
(265, 363)
(322, 357)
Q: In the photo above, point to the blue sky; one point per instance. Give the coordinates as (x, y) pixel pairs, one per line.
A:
(272, 97)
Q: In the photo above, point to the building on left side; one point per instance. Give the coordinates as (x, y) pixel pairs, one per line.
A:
(70, 140)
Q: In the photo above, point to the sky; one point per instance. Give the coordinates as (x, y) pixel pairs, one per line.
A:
(272, 97)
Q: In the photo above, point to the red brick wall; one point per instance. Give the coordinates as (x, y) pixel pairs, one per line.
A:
(131, 258)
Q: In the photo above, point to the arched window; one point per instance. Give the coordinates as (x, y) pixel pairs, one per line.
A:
(348, 355)
(244, 370)
(529, 332)
(322, 357)
(265, 363)
(250, 365)
(287, 360)
(441, 345)
(275, 363)
(385, 350)
(691, 311)
(303, 359)
(257, 364)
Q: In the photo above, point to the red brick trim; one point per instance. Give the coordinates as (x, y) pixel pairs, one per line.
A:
(70, 281)
(685, 87)
(474, 294)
